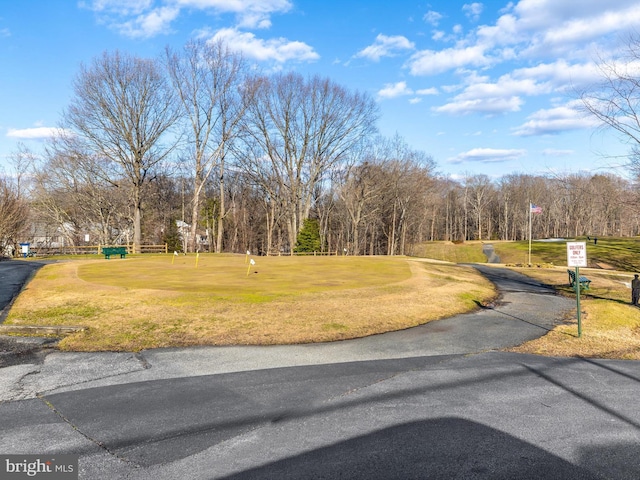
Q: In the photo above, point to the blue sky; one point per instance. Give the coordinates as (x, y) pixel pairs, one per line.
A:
(483, 87)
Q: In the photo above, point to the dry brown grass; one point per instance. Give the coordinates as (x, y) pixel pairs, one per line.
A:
(142, 303)
(610, 324)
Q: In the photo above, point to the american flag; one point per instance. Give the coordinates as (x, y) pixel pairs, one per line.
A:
(535, 209)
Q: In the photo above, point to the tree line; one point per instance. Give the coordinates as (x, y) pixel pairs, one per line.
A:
(197, 150)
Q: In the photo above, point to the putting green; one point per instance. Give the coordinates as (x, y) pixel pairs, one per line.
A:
(228, 275)
(167, 301)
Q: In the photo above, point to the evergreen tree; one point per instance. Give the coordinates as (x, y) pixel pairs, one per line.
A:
(309, 237)
(172, 237)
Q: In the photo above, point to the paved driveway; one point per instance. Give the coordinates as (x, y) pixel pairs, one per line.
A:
(13, 275)
(438, 401)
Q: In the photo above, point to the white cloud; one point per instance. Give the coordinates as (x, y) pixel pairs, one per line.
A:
(428, 91)
(392, 90)
(506, 94)
(119, 7)
(150, 24)
(5, 32)
(142, 18)
(249, 13)
(276, 49)
(486, 106)
(400, 89)
(533, 29)
(473, 10)
(431, 62)
(432, 17)
(553, 152)
(484, 97)
(506, 86)
(35, 133)
(560, 75)
(386, 46)
(555, 120)
(487, 155)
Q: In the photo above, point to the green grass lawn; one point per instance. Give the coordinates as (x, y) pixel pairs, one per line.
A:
(611, 325)
(468, 252)
(617, 253)
(148, 301)
(610, 252)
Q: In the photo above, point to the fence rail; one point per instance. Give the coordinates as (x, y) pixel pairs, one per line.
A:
(91, 249)
(313, 254)
(151, 248)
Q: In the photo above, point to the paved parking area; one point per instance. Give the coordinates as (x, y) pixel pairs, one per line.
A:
(438, 401)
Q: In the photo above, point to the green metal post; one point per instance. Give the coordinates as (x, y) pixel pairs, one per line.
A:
(577, 286)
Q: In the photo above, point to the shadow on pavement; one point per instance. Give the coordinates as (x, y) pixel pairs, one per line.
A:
(442, 448)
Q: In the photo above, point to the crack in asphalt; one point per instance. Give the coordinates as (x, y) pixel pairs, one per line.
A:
(143, 361)
(77, 429)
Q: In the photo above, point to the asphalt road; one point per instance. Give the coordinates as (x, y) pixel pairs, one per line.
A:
(13, 275)
(434, 402)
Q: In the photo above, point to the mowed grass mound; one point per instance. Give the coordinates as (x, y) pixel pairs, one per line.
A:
(162, 301)
(610, 324)
(468, 252)
(619, 253)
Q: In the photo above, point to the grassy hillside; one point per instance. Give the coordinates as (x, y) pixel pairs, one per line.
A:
(468, 252)
(161, 301)
(609, 253)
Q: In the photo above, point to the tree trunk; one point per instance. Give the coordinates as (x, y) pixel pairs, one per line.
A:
(137, 227)
(195, 216)
(221, 213)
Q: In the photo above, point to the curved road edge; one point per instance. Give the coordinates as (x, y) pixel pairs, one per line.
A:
(525, 310)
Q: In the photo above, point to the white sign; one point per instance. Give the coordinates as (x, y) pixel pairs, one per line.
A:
(577, 254)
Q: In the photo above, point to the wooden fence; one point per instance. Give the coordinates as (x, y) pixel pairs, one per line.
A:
(91, 249)
(97, 249)
(313, 254)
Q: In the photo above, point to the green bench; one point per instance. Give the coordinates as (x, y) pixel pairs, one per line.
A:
(108, 251)
(584, 281)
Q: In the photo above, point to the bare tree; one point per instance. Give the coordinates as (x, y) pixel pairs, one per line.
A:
(297, 130)
(77, 188)
(481, 193)
(615, 99)
(361, 187)
(386, 196)
(122, 109)
(14, 213)
(207, 77)
(15, 208)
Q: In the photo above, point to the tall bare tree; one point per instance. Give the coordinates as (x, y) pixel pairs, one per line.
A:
(15, 208)
(297, 130)
(207, 77)
(122, 109)
(76, 187)
(615, 99)
(14, 213)
(481, 191)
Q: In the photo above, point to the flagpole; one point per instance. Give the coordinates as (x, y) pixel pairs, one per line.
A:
(529, 233)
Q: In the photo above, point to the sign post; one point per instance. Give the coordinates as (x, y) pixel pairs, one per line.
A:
(577, 257)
